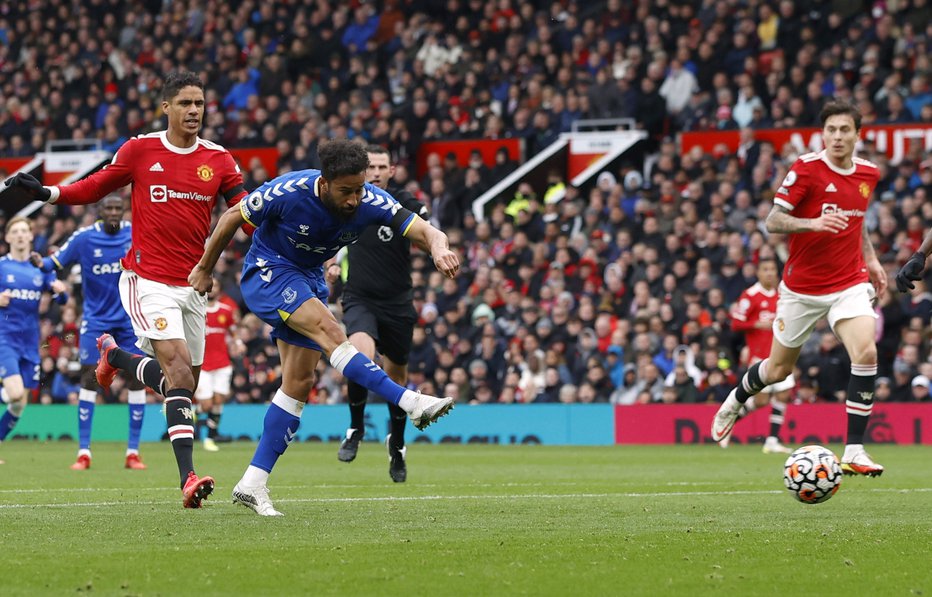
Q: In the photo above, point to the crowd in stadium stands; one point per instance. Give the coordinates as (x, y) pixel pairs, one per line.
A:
(620, 291)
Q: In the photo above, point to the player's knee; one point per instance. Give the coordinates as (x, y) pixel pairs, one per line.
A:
(16, 407)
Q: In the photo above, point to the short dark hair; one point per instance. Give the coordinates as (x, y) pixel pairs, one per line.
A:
(836, 107)
(178, 80)
(342, 157)
(376, 149)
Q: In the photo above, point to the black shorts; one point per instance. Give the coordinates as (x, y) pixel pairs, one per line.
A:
(391, 326)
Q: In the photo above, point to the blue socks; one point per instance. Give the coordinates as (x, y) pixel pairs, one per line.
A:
(86, 399)
(137, 409)
(359, 368)
(7, 423)
(278, 431)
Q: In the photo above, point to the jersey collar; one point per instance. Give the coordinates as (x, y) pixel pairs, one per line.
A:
(824, 156)
(163, 135)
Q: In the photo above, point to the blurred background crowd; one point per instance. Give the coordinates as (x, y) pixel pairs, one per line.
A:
(620, 290)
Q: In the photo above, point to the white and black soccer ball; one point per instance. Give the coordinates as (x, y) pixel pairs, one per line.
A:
(812, 474)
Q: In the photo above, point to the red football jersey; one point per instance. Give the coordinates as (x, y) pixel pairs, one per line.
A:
(755, 304)
(220, 319)
(822, 262)
(174, 191)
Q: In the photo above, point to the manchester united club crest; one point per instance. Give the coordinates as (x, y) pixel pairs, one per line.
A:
(205, 172)
(161, 323)
(222, 319)
(865, 190)
(781, 325)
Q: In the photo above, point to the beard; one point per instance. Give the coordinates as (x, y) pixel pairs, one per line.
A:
(342, 214)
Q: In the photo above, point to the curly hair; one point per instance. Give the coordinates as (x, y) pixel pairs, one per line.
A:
(342, 157)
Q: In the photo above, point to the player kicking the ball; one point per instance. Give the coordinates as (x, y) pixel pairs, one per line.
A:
(302, 219)
(832, 272)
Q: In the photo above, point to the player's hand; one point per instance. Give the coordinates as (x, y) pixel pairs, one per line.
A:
(35, 259)
(333, 273)
(32, 186)
(910, 272)
(58, 287)
(447, 262)
(5, 297)
(878, 277)
(200, 279)
(830, 222)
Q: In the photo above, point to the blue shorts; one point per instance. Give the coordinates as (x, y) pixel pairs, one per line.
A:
(13, 362)
(123, 334)
(275, 291)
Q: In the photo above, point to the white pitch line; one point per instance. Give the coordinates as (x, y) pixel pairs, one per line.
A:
(529, 496)
(355, 486)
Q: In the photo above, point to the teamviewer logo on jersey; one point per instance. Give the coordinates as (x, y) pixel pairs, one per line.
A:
(158, 193)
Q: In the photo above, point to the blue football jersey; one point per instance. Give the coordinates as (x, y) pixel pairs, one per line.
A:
(98, 253)
(294, 225)
(19, 321)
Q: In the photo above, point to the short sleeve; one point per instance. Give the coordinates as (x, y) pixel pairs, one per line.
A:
(231, 184)
(794, 186)
(256, 210)
(69, 252)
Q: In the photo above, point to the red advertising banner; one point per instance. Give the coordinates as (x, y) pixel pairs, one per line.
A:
(267, 156)
(894, 423)
(487, 147)
(895, 140)
(11, 165)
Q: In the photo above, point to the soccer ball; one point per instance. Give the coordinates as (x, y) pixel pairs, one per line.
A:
(812, 474)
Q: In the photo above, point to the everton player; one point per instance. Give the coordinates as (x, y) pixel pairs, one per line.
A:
(98, 249)
(378, 312)
(21, 288)
(753, 314)
(302, 220)
(832, 272)
(176, 178)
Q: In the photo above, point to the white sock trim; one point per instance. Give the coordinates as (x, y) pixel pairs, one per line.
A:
(864, 370)
(136, 397)
(16, 408)
(254, 476)
(287, 403)
(85, 395)
(341, 356)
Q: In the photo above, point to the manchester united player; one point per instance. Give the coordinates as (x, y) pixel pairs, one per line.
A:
(213, 387)
(832, 272)
(378, 313)
(753, 314)
(176, 178)
(303, 219)
(98, 250)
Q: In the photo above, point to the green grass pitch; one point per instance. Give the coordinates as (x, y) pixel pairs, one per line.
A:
(471, 520)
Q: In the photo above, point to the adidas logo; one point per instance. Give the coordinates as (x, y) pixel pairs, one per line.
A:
(831, 188)
(156, 167)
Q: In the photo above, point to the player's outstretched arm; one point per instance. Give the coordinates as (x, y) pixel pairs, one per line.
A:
(436, 244)
(200, 277)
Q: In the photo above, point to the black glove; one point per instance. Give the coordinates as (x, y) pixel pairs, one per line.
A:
(910, 272)
(30, 184)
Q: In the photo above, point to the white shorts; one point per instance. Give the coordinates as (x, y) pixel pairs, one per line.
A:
(214, 382)
(797, 313)
(163, 312)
